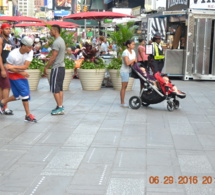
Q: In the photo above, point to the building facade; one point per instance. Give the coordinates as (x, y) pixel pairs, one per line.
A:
(26, 8)
(38, 4)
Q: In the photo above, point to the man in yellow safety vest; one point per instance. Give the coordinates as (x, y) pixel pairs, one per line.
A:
(157, 58)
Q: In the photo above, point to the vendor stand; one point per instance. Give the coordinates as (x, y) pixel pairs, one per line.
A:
(190, 37)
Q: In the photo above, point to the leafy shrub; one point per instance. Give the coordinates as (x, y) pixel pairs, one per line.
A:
(115, 63)
(97, 64)
(69, 63)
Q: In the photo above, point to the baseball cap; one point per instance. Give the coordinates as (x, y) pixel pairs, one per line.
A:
(157, 35)
(27, 41)
(5, 25)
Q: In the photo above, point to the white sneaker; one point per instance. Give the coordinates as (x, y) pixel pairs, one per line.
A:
(124, 105)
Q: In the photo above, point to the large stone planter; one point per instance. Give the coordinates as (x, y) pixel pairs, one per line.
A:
(116, 80)
(91, 79)
(34, 78)
(67, 78)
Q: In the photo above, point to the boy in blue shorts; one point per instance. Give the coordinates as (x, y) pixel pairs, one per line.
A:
(17, 62)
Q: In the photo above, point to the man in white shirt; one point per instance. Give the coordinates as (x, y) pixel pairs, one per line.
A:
(18, 61)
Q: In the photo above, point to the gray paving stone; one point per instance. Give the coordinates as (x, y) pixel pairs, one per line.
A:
(112, 125)
(92, 177)
(187, 142)
(9, 158)
(27, 138)
(40, 154)
(21, 176)
(128, 160)
(64, 163)
(106, 139)
(79, 140)
(126, 186)
(203, 127)
(100, 155)
(162, 157)
(181, 129)
(207, 141)
(55, 138)
(99, 148)
(165, 191)
(85, 130)
(195, 164)
(133, 141)
(49, 185)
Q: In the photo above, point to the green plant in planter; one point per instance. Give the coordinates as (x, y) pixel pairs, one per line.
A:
(115, 63)
(69, 63)
(97, 64)
(91, 60)
(36, 64)
(125, 32)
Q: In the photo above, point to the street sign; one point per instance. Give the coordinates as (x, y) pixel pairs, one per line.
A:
(136, 11)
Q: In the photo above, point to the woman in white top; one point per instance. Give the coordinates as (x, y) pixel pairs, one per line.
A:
(128, 59)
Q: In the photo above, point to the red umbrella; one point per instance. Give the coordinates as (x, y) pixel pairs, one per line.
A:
(19, 18)
(97, 15)
(61, 23)
(29, 24)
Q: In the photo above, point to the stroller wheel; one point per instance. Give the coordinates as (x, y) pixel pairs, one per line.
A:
(145, 104)
(176, 104)
(170, 106)
(135, 102)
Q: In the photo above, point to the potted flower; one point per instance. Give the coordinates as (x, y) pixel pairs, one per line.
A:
(92, 70)
(69, 70)
(34, 70)
(114, 70)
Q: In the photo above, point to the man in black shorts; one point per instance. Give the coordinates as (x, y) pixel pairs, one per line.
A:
(58, 69)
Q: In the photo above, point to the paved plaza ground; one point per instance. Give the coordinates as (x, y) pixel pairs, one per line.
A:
(99, 148)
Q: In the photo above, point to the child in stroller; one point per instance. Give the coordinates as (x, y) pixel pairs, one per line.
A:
(156, 89)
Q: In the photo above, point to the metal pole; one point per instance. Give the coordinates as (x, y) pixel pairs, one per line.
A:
(85, 26)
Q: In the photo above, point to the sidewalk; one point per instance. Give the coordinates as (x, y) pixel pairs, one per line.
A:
(99, 148)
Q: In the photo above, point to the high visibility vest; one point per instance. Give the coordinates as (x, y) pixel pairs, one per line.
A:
(157, 55)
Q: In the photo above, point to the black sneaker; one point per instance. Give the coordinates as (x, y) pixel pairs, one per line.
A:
(1, 108)
(7, 111)
(30, 118)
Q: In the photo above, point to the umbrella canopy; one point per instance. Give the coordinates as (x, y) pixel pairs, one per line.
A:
(19, 19)
(97, 15)
(29, 24)
(61, 23)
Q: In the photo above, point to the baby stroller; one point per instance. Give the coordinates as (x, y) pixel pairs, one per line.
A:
(151, 94)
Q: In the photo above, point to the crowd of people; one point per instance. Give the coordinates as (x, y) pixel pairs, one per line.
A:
(17, 54)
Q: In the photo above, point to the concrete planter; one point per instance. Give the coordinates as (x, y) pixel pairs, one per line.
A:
(34, 78)
(116, 80)
(67, 78)
(91, 79)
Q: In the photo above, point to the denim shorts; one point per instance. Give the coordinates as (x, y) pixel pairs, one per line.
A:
(124, 76)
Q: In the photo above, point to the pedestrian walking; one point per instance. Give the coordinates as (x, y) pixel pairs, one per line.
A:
(58, 69)
(128, 59)
(5, 48)
(18, 61)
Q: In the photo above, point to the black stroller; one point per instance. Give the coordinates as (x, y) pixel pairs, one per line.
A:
(151, 94)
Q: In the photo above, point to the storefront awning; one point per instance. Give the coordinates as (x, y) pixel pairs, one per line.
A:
(165, 14)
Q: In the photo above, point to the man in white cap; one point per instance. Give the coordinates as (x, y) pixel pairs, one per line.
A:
(18, 61)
